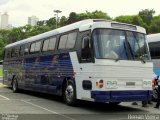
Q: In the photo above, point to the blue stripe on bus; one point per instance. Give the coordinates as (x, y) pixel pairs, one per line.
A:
(121, 96)
(43, 73)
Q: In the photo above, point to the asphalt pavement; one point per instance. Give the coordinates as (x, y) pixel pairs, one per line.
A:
(27, 105)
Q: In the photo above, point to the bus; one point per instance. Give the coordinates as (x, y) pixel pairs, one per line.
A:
(154, 46)
(94, 60)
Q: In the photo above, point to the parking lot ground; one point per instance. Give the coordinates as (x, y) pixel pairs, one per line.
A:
(27, 105)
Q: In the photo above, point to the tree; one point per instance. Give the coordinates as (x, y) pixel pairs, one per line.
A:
(125, 19)
(98, 15)
(154, 26)
(63, 21)
(3, 41)
(147, 15)
(51, 23)
(41, 23)
(73, 17)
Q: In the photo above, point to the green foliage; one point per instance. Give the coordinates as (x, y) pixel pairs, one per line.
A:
(63, 21)
(155, 25)
(1, 72)
(74, 17)
(147, 15)
(125, 19)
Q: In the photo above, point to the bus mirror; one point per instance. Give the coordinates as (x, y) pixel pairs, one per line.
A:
(86, 51)
(85, 43)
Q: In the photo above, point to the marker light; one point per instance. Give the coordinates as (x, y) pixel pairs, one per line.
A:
(100, 84)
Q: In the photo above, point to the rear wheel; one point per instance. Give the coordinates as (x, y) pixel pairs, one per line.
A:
(69, 94)
(15, 85)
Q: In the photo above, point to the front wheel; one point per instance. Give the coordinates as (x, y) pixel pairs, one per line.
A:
(15, 85)
(69, 94)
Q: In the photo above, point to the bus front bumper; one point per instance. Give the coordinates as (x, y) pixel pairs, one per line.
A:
(121, 96)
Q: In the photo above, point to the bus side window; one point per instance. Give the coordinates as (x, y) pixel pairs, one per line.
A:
(86, 49)
(26, 49)
(7, 54)
(21, 51)
(15, 52)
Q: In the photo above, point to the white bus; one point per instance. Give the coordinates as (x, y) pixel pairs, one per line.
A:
(154, 46)
(93, 60)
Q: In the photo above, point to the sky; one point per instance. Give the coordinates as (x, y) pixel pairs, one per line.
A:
(20, 10)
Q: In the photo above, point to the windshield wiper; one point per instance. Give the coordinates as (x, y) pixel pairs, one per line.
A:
(142, 59)
(130, 49)
(141, 56)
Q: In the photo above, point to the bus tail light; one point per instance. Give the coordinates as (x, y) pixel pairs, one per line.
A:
(158, 82)
(153, 83)
(100, 84)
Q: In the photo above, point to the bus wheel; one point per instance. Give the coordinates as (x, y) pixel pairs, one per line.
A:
(15, 85)
(69, 94)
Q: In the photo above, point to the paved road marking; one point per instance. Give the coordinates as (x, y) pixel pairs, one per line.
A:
(4, 97)
(2, 85)
(21, 99)
(48, 110)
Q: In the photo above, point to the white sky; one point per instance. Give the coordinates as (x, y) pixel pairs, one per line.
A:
(20, 10)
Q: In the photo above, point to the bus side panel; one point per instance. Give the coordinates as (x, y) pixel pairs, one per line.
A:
(80, 76)
(47, 73)
(11, 68)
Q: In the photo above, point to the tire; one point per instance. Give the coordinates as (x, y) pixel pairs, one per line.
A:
(69, 94)
(15, 85)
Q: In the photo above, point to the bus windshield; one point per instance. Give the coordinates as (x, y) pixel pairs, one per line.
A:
(120, 44)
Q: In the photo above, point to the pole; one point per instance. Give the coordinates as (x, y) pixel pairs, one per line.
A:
(57, 11)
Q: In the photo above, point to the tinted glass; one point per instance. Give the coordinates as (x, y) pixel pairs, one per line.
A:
(52, 44)
(71, 40)
(62, 43)
(32, 47)
(45, 45)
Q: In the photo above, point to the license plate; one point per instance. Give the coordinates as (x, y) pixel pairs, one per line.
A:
(130, 83)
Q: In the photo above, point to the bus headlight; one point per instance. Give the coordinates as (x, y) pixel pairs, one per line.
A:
(111, 84)
(147, 83)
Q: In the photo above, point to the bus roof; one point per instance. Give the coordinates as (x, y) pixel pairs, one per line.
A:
(153, 37)
(81, 25)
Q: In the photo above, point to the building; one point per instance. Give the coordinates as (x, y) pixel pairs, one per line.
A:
(33, 20)
(4, 21)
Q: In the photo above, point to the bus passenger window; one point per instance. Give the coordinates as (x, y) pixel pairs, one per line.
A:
(26, 49)
(52, 43)
(68, 41)
(49, 44)
(45, 45)
(62, 42)
(32, 47)
(15, 52)
(7, 54)
(71, 40)
(35, 47)
(21, 51)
